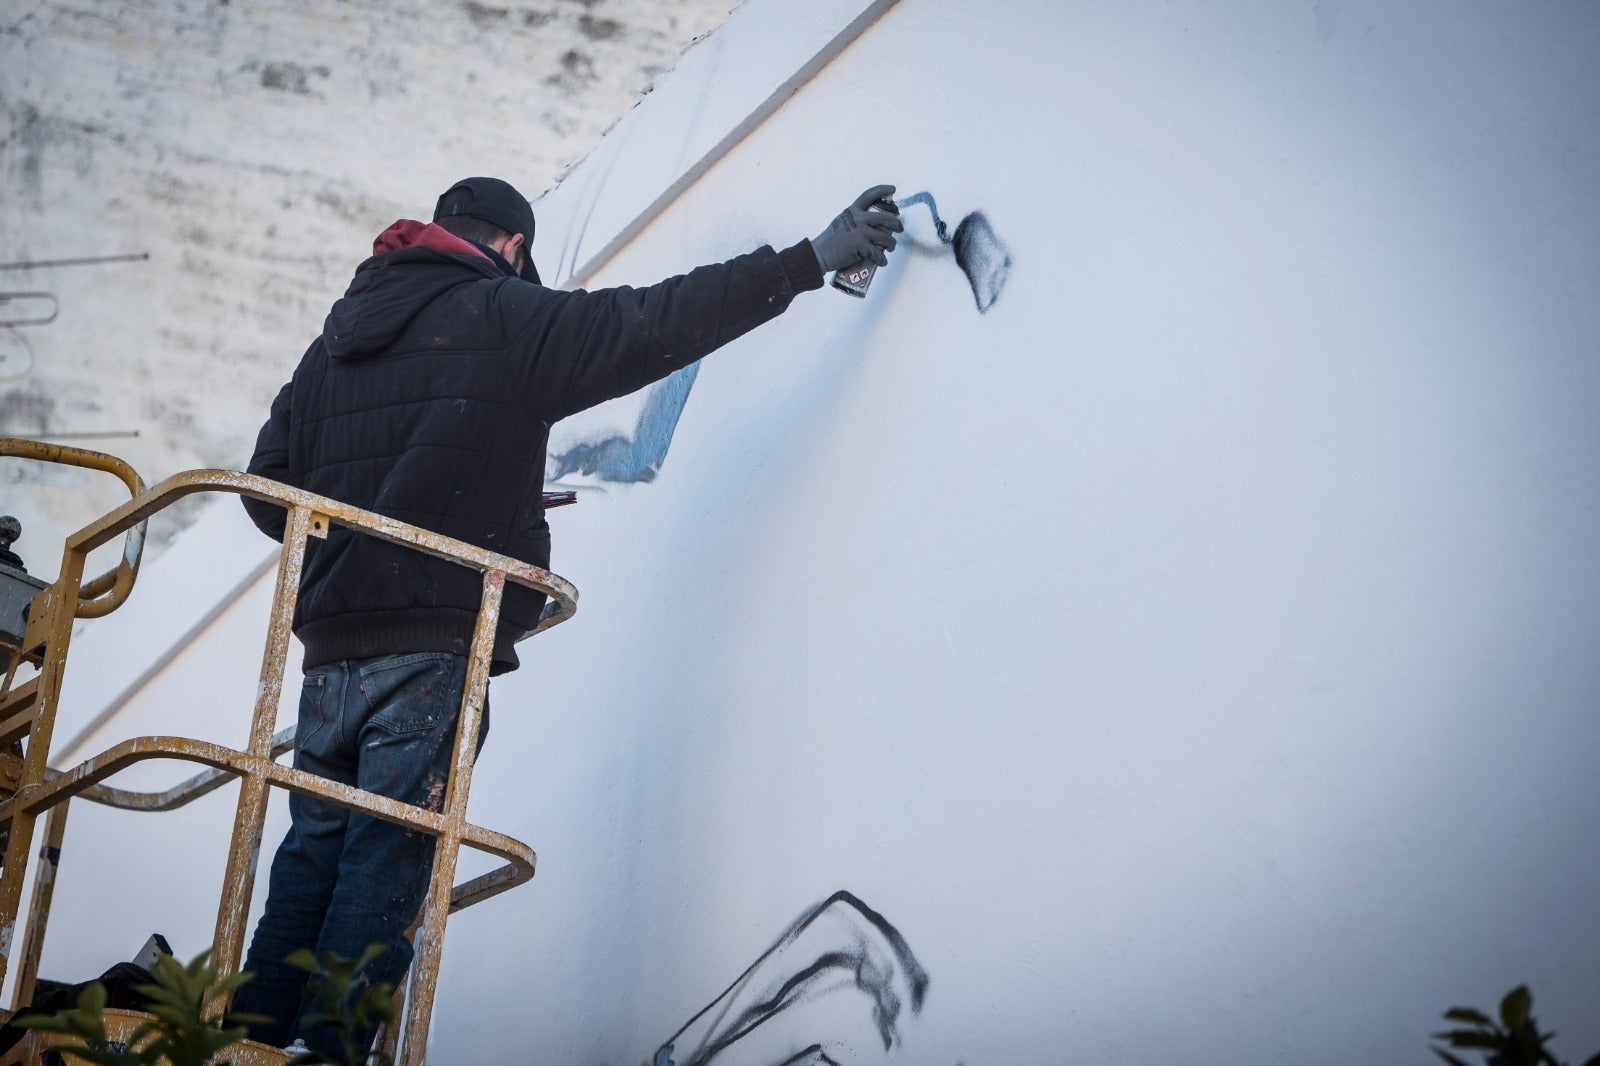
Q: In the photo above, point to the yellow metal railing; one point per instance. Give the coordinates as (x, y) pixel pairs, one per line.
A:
(29, 713)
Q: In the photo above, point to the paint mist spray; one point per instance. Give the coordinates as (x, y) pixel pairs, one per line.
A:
(854, 280)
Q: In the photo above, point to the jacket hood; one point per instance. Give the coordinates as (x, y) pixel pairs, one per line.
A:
(412, 264)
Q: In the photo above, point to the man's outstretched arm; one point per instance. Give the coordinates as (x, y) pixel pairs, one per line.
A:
(582, 348)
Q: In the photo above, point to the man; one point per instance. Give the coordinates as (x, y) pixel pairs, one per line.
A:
(429, 397)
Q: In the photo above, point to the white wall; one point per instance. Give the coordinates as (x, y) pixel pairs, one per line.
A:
(1192, 657)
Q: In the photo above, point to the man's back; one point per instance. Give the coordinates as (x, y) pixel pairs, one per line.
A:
(429, 397)
(409, 404)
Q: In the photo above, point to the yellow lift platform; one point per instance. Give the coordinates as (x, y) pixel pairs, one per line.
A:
(31, 789)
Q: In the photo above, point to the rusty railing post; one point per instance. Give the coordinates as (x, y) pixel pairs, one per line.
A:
(52, 613)
(245, 847)
(429, 942)
(44, 887)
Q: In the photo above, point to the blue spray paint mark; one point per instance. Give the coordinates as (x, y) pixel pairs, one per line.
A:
(926, 198)
(638, 458)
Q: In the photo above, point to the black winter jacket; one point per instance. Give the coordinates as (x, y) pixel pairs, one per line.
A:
(429, 397)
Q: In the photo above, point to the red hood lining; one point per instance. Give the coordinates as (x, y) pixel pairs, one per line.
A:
(409, 233)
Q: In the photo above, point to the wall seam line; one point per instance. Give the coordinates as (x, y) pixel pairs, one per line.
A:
(759, 114)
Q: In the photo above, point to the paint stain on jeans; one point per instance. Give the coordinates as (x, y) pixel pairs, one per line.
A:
(434, 800)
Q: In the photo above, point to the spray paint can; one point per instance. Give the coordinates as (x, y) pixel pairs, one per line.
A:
(854, 280)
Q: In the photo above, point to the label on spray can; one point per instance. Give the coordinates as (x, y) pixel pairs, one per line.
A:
(854, 280)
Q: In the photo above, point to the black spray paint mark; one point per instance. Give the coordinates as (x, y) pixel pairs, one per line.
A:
(811, 1056)
(982, 258)
(864, 949)
(638, 458)
(980, 253)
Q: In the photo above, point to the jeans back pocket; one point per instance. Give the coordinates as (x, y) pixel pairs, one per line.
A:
(410, 693)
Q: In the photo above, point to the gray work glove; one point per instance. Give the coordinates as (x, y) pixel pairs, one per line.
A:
(858, 233)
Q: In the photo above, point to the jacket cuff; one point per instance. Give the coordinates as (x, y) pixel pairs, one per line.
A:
(800, 267)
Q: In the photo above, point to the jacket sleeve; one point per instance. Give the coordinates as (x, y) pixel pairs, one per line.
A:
(271, 460)
(582, 348)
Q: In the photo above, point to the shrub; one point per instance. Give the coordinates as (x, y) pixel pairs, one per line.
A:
(1515, 1041)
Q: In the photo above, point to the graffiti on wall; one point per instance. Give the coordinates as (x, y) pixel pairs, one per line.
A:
(983, 258)
(634, 459)
(838, 948)
(980, 253)
(638, 458)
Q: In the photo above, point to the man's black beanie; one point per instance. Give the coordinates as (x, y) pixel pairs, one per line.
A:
(497, 203)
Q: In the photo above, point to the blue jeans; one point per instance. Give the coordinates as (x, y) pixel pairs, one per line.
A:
(343, 880)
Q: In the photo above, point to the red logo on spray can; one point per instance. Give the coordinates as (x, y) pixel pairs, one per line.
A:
(854, 280)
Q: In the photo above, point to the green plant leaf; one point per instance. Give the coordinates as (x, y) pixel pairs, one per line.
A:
(1516, 1007)
(348, 1004)
(93, 999)
(228, 984)
(1468, 1038)
(1467, 1014)
(170, 1014)
(303, 959)
(158, 994)
(370, 955)
(83, 1022)
(144, 1030)
(378, 1001)
(316, 1018)
(1453, 1060)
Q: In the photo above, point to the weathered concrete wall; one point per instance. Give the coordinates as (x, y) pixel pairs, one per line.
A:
(254, 150)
